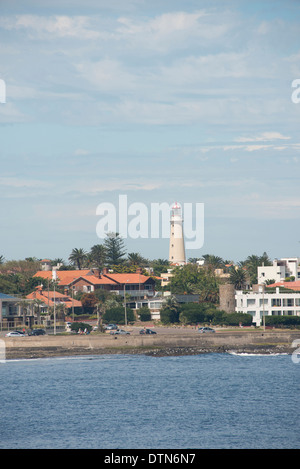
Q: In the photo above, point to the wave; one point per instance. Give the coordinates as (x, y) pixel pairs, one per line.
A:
(248, 354)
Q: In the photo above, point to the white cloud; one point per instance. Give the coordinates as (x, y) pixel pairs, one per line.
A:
(161, 25)
(19, 182)
(265, 136)
(60, 26)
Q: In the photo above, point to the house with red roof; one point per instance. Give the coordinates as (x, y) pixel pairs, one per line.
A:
(51, 298)
(290, 285)
(135, 284)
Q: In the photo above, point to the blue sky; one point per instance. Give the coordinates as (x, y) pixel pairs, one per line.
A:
(161, 101)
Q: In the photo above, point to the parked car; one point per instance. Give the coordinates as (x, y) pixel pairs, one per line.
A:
(119, 331)
(37, 332)
(205, 329)
(15, 334)
(111, 327)
(147, 331)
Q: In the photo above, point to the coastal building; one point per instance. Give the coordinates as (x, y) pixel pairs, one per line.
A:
(50, 298)
(265, 302)
(176, 248)
(9, 311)
(287, 267)
(135, 284)
(289, 285)
(46, 264)
(166, 277)
(154, 305)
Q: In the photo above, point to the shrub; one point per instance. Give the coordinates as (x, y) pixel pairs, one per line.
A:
(75, 326)
(117, 315)
(144, 313)
(234, 319)
(282, 321)
(169, 316)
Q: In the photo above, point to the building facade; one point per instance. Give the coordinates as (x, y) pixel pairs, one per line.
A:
(279, 270)
(264, 303)
(9, 311)
(135, 284)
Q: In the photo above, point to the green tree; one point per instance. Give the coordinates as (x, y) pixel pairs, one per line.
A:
(212, 261)
(192, 279)
(144, 313)
(234, 319)
(77, 257)
(75, 326)
(115, 248)
(56, 261)
(238, 277)
(192, 313)
(134, 258)
(159, 266)
(98, 256)
(254, 261)
(89, 301)
(117, 315)
(25, 308)
(169, 313)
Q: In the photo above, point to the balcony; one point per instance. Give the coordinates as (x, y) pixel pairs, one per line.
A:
(135, 293)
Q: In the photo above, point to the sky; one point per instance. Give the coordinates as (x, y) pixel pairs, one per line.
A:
(161, 101)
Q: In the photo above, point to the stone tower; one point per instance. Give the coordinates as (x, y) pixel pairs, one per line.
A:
(176, 251)
(227, 297)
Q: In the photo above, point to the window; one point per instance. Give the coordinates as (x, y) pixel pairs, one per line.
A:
(288, 302)
(276, 302)
(261, 302)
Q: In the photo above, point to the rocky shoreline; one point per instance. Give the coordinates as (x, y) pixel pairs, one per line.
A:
(164, 343)
(48, 352)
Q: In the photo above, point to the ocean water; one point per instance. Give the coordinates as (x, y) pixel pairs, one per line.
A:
(125, 401)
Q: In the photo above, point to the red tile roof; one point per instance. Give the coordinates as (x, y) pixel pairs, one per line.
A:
(43, 296)
(291, 285)
(66, 277)
(128, 278)
(95, 280)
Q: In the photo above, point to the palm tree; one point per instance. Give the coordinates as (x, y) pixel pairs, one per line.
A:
(36, 307)
(238, 277)
(251, 264)
(134, 258)
(25, 306)
(98, 256)
(78, 257)
(213, 261)
(57, 261)
(170, 311)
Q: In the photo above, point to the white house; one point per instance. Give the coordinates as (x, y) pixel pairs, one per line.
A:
(281, 268)
(261, 303)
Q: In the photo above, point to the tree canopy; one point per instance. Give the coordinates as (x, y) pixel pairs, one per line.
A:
(190, 279)
(115, 249)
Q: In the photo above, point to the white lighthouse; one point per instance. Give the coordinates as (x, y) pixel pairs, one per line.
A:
(176, 251)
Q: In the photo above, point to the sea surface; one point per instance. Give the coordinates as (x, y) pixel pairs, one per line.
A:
(128, 401)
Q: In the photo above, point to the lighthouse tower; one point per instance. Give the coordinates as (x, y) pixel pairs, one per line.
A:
(176, 251)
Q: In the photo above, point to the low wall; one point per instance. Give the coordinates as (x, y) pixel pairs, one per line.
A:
(92, 344)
